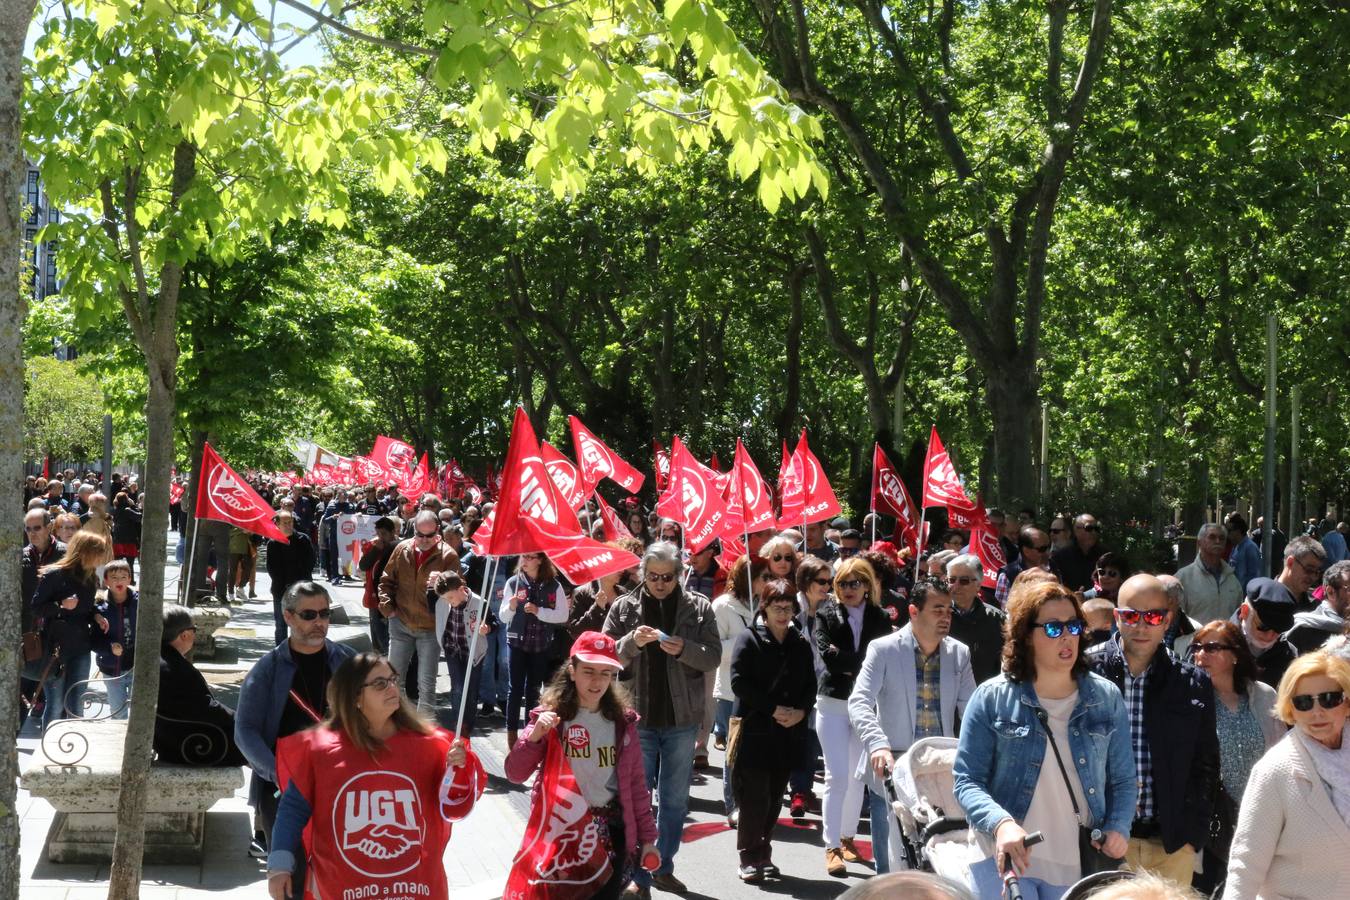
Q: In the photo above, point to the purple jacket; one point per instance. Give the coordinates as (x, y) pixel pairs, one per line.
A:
(639, 826)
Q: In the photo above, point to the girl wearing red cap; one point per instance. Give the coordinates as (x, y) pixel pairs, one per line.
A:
(591, 796)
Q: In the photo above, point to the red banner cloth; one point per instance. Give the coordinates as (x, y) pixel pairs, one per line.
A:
(224, 496)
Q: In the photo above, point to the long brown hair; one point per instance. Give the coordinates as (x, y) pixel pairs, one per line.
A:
(736, 585)
(85, 552)
(344, 691)
(1024, 604)
(1245, 669)
(561, 696)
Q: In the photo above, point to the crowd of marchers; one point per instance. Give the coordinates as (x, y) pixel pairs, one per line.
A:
(1187, 724)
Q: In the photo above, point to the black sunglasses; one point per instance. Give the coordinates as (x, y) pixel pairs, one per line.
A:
(309, 615)
(1326, 700)
(847, 551)
(848, 584)
(778, 557)
(426, 536)
(1212, 647)
(1044, 548)
(1092, 528)
(1055, 628)
(823, 582)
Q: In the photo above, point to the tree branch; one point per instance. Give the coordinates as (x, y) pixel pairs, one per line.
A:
(350, 32)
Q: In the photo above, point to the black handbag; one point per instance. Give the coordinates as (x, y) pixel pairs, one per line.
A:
(1090, 859)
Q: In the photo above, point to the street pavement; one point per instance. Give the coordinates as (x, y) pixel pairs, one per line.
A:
(481, 847)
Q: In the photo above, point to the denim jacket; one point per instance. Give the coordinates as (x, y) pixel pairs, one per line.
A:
(1003, 747)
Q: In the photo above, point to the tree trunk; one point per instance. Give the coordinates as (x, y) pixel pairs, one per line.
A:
(15, 16)
(1013, 407)
(159, 415)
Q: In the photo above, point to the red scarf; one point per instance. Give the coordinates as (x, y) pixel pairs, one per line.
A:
(562, 856)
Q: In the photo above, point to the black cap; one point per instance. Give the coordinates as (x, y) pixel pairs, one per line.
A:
(1273, 603)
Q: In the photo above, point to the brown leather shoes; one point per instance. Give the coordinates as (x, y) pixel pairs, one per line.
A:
(849, 850)
(834, 863)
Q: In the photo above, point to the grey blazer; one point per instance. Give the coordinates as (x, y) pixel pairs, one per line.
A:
(881, 706)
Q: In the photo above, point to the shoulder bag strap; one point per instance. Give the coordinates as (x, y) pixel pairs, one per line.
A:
(1044, 718)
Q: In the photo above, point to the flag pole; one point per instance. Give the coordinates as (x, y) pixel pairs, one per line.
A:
(919, 553)
(488, 571)
(185, 584)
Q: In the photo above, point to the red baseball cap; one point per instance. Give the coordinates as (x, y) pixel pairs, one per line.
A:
(596, 649)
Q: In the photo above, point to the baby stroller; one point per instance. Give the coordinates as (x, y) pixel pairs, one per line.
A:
(933, 829)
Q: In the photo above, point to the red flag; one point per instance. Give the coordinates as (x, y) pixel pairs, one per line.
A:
(393, 454)
(224, 496)
(47, 466)
(820, 504)
(661, 466)
(564, 475)
(529, 493)
(790, 502)
(941, 486)
(175, 492)
(561, 856)
(419, 482)
(890, 496)
(970, 515)
(596, 461)
(614, 527)
(714, 463)
(580, 558)
(368, 471)
(984, 543)
(474, 493)
(693, 499)
(748, 505)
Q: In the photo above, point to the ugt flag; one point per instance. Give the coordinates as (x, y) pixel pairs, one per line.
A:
(225, 497)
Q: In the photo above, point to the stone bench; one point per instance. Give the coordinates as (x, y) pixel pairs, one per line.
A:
(208, 620)
(78, 770)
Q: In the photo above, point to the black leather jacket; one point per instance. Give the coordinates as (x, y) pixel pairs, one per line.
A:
(1183, 744)
(834, 639)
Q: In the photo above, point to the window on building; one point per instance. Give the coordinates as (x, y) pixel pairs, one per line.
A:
(30, 255)
(54, 216)
(51, 267)
(34, 194)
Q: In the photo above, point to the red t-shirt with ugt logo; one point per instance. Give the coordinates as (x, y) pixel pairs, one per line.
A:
(378, 826)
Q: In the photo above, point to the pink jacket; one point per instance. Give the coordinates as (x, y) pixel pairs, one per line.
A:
(639, 825)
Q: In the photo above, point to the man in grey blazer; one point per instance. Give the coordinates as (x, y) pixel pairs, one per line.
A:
(913, 684)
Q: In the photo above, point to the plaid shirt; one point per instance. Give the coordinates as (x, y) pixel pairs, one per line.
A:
(928, 705)
(455, 643)
(1143, 762)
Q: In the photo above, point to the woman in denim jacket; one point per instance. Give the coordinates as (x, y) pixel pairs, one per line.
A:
(1007, 779)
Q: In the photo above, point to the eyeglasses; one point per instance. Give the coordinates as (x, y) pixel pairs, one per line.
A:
(309, 615)
(964, 579)
(426, 536)
(660, 577)
(34, 529)
(1326, 700)
(1056, 530)
(848, 584)
(847, 551)
(1055, 629)
(1151, 617)
(1212, 647)
(1311, 571)
(823, 582)
(1092, 527)
(778, 557)
(782, 608)
(382, 683)
(1108, 573)
(1044, 548)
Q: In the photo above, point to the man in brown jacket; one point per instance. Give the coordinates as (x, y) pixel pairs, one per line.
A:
(410, 572)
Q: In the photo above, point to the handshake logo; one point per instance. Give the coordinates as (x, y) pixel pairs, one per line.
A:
(376, 823)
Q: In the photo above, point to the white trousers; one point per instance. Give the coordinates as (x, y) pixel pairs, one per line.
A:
(843, 793)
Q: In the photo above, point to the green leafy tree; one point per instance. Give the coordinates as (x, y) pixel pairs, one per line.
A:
(62, 410)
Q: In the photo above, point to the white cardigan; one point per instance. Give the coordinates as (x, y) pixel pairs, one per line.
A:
(1290, 843)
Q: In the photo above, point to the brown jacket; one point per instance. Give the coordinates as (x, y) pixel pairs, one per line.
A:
(403, 587)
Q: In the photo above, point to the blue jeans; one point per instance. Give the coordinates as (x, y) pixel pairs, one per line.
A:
(495, 684)
(530, 670)
(879, 810)
(720, 726)
(119, 694)
(803, 776)
(75, 670)
(379, 632)
(988, 886)
(402, 643)
(457, 673)
(668, 757)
